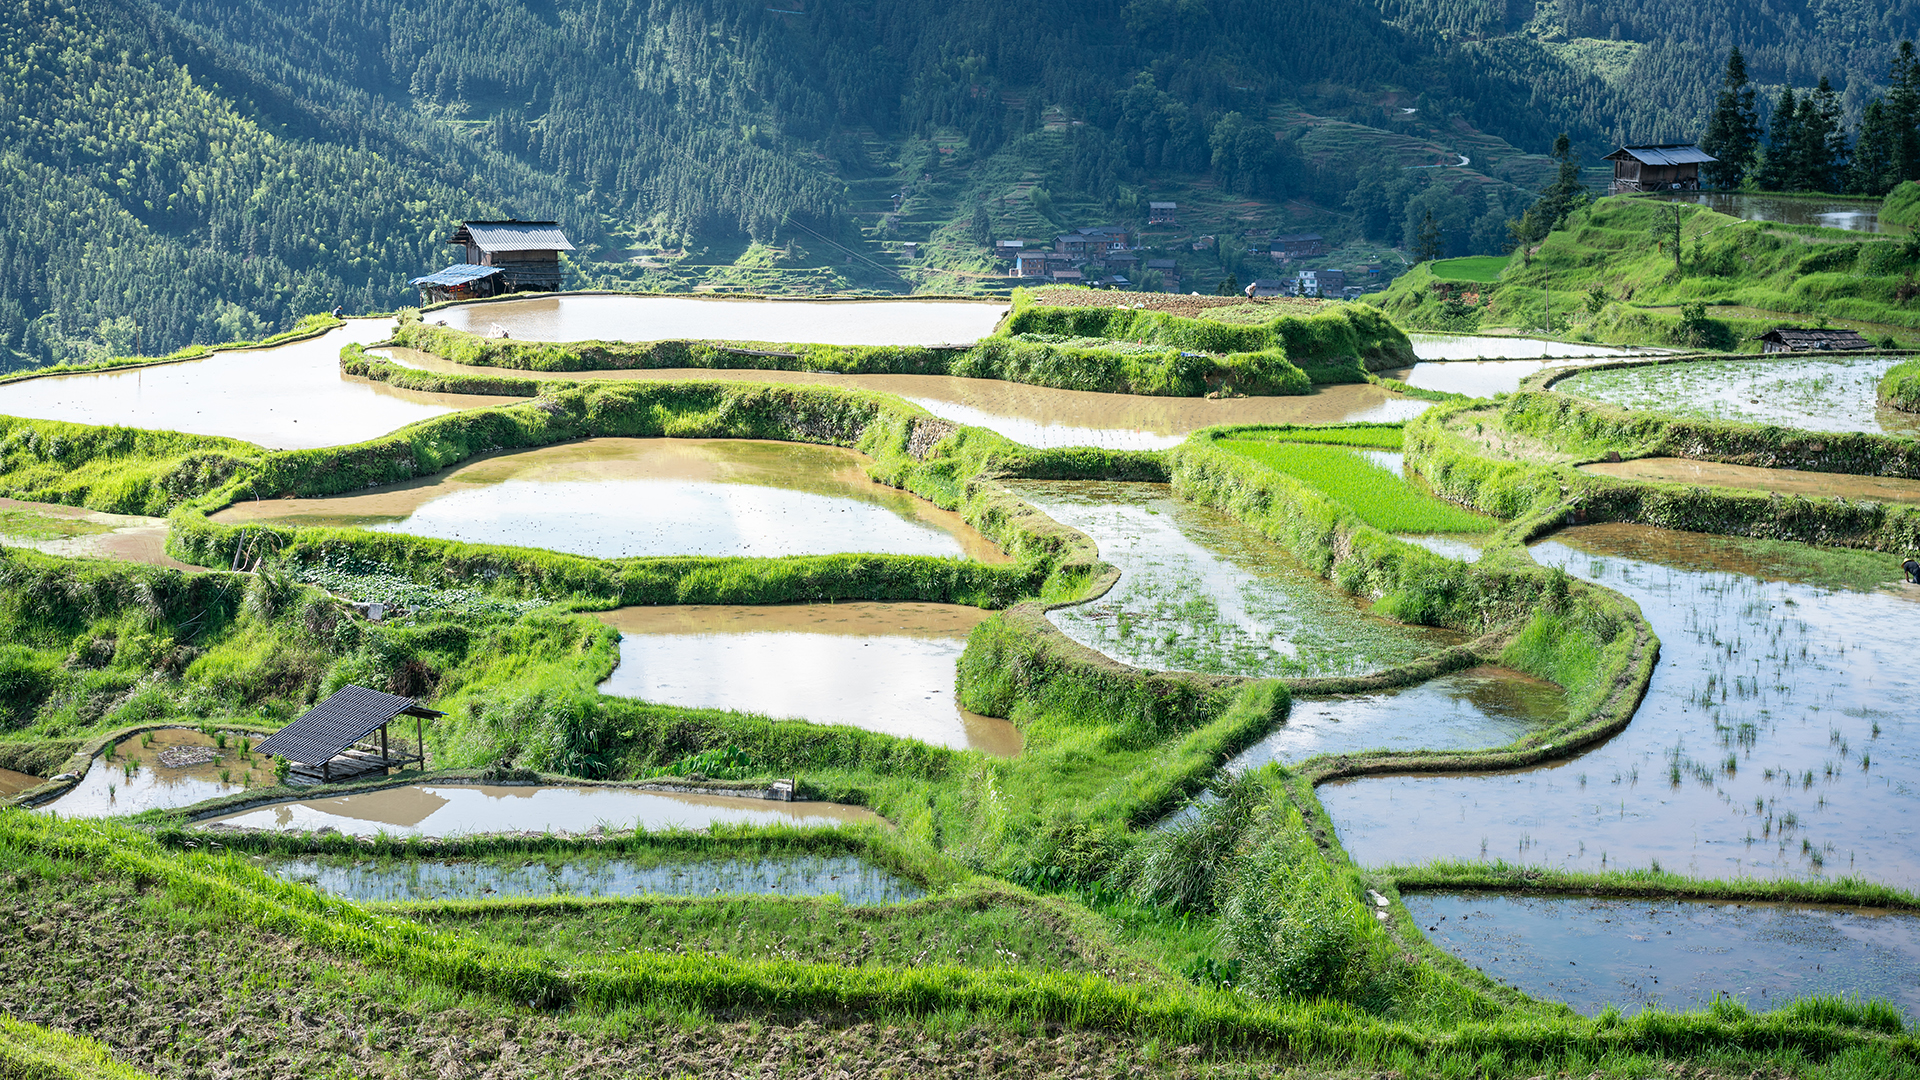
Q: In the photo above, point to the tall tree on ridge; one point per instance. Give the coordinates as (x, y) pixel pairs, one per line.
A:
(1733, 131)
(1903, 113)
(1777, 167)
(1870, 172)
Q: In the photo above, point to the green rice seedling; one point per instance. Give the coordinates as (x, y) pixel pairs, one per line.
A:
(1380, 498)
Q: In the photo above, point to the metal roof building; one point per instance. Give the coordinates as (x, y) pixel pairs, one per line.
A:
(1658, 167)
(322, 744)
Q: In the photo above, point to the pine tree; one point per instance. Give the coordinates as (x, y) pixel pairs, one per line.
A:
(1777, 168)
(1903, 113)
(1428, 247)
(1733, 132)
(1870, 172)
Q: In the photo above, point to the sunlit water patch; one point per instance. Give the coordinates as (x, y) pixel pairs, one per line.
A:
(666, 318)
(848, 877)
(163, 770)
(1816, 393)
(635, 497)
(1475, 378)
(1853, 215)
(1777, 738)
(457, 810)
(1199, 591)
(1676, 955)
(1480, 708)
(290, 396)
(1032, 415)
(1476, 347)
(883, 667)
(1448, 544)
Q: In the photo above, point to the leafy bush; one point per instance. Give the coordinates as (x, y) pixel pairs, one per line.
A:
(1187, 866)
(1292, 925)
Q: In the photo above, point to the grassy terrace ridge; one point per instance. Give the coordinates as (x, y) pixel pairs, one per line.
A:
(1484, 269)
(1900, 387)
(1043, 342)
(32, 1052)
(1611, 280)
(309, 326)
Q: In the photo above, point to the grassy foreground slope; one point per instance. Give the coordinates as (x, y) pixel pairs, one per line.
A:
(1612, 279)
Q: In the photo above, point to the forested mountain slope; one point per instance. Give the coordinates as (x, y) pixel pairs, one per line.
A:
(190, 170)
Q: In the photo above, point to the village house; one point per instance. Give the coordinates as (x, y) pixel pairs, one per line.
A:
(1267, 287)
(527, 252)
(1325, 283)
(1657, 167)
(1163, 213)
(1297, 246)
(1031, 263)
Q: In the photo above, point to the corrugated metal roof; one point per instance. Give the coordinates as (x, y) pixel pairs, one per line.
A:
(457, 274)
(1162, 206)
(1826, 339)
(516, 235)
(1665, 154)
(351, 714)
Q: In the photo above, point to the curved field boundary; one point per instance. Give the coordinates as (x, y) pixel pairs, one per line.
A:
(310, 326)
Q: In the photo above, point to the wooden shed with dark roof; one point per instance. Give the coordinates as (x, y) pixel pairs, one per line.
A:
(325, 743)
(1658, 167)
(527, 252)
(1793, 339)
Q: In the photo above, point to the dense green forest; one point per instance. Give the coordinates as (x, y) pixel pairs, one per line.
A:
(197, 170)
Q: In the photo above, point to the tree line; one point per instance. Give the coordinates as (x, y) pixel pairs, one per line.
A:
(1806, 145)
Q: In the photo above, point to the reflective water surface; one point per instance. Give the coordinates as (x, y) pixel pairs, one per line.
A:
(1499, 347)
(163, 770)
(460, 809)
(848, 877)
(615, 498)
(1199, 591)
(1816, 393)
(13, 783)
(1032, 415)
(1785, 481)
(1480, 708)
(883, 667)
(1777, 738)
(1676, 955)
(287, 397)
(1853, 215)
(665, 318)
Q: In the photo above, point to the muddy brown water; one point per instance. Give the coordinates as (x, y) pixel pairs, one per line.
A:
(1031, 415)
(668, 318)
(138, 778)
(1676, 955)
(1785, 481)
(92, 533)
(1200, 591)
(1853, 215)
(613, 498)
(461, 809)
(1777, 738)
(288, 397)
(13, 783)
(882, 667)
(852, 879)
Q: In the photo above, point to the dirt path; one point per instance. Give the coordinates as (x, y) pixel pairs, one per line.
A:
(74, 530)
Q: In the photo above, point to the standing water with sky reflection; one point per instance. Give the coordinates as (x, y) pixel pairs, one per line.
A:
(1777, 737)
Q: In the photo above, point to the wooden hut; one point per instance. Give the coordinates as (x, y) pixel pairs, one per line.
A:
(1793, 339)
(461, 281)
(334, 739)
(1658, 167)
(527, 253)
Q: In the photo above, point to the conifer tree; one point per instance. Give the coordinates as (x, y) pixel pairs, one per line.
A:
(1903, 113)
(1777, 168)
(1870, 172)
(1733, 131)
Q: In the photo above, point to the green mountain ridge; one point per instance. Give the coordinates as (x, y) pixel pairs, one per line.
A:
(203, 170)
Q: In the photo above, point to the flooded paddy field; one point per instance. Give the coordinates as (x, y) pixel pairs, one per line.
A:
(163, 770)
(1480, 708)
(668, 318)
(1199, 591)
(463, 809)
(1500, 347)
(1815, 393)
(1853, 215)
(288, 397)
(13, 783)
(1466, 549)
(882, 667)
(1676, 955)
(1777, 737)
(614, 498)
(1475, 378)
(1785, 481)
(1035, 416)
(76, 531)
(852, 879)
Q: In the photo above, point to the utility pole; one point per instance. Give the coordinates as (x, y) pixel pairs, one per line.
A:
(1549, 292)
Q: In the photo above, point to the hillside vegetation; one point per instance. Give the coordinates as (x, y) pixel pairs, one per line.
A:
(1613, 279)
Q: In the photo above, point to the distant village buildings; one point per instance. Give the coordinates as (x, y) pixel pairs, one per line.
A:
(1109, 255)
(498, 257)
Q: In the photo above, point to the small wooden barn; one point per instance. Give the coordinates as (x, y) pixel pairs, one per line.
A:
(527, 253)
(334, 740)
(1658, 167)
(1782, 339)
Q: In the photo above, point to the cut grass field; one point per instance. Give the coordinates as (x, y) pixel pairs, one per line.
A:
(1472, 268)
(1381, 499)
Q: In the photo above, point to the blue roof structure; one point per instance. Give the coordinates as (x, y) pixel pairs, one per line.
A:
(456, 275)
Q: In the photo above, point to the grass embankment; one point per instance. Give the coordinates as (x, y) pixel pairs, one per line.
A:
(31, 1052)
(1484, 269)
(1611, 280)
(1902, 205)
(1900, 386)
(1111, 350)
(308, 326)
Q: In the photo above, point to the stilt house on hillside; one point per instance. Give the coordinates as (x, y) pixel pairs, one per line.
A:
(1657, 167)
(499, 257)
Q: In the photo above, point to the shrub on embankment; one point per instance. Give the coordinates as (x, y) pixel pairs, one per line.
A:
(1902, 205)
(118, 470)
(1332, 338)
(1900, 386)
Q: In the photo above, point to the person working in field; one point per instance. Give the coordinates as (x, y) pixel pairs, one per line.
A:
(1912, 569)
